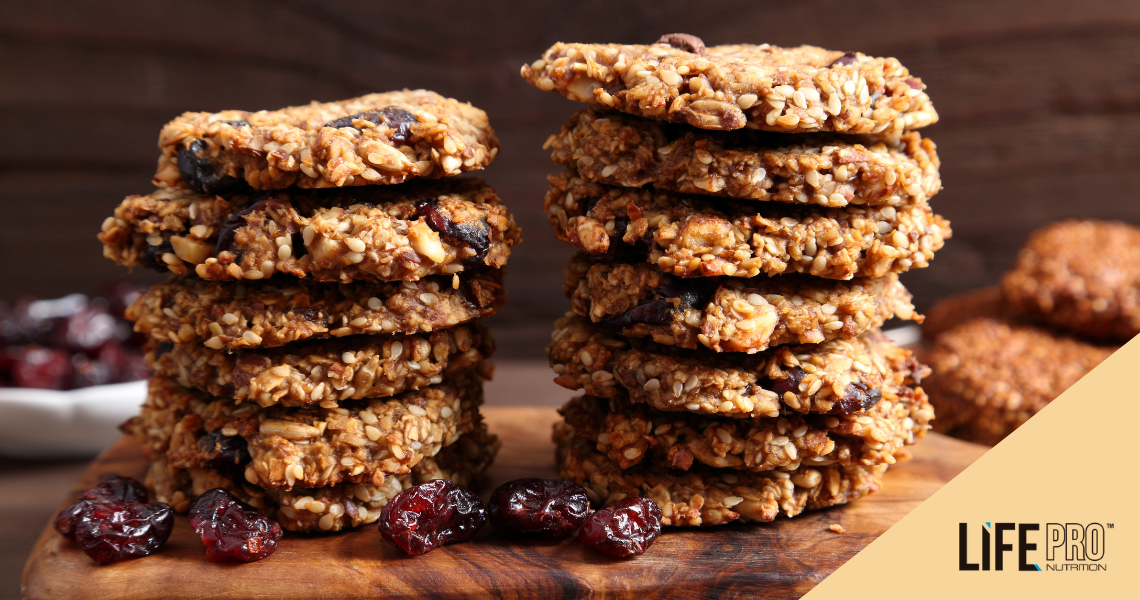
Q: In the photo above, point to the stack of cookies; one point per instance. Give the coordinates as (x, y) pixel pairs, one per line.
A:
(742, 214)
(1002, 354)
(316, 350)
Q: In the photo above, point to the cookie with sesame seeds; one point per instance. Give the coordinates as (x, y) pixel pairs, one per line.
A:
(1082, 277)
(326, 371)
(631, 434)
(378, 233)
(283, 448)
(991, 376)
(818, 168)
(762, 86)
(704, 496)
(728, 314)
(952, 311)
(838, 376)
(267, 314)
(330, 508)
(374, 139)
(699, 236)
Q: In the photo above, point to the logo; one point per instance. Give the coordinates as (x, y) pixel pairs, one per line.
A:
(1065, 547)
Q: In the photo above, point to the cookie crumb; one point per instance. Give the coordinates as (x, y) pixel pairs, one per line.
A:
(837, 528)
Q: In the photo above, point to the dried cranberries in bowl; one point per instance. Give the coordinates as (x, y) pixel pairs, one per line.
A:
(430, 515)
(232, 529)
(627, 529)
(531, 505)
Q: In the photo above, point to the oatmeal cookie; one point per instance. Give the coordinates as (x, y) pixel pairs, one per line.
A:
(330, 508)
(730, 87)
(1080, 276)
(703, 496)
(817, 168)
(840, 376)
(368, 234)
(326, 372)
(698, 236)
(283, 448)
(991, 376)
(266, 314)
(631, 434)
(374, 139)
(729, 314)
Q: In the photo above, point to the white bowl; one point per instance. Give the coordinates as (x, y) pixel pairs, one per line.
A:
(54, 424)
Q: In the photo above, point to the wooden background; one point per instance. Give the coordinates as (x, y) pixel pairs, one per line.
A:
(1039, 99)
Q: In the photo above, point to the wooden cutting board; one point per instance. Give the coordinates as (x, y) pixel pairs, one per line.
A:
(782, 559)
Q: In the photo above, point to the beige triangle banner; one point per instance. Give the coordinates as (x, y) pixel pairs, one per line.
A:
(1053, 511)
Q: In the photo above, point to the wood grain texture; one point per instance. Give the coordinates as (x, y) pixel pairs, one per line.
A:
(1040, 107)
(782, 559)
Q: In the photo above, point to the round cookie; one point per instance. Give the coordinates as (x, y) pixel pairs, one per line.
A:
(1080, 276)
(698, 236)
(331, 508)
(729, 87)
(711, 496)
(952, 311)
(729, 314)
(990, 376)
(815, 168)
(326, 372)
(631, 434)
(840, 376)
(305, 447)
(374, 139)
(266, 314)
(377, 233)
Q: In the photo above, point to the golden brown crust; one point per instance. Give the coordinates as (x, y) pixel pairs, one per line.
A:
(815, 168)
(395, 136)
(363, 234)
(694, 236)
(326, 372)
(839, 376)
(1080, 276)
(730, 87)
(266, 314)
(991, 376)
(728, 314)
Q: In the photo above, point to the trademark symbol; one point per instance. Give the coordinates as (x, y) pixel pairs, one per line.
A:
(1110, 525)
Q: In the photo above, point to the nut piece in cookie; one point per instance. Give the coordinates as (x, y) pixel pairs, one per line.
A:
(374, 139)
(798, 89)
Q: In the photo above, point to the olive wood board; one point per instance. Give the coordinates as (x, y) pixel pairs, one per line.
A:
(782, 559)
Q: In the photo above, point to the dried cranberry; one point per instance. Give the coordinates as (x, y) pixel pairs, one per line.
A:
(152, 257)
(683, 41)
(843, 61)
(227, 454)
(234, 222)
(430, 515)
(87, 329)
(112, 489)
(395, 118)
(659, 311)
(791, 383)
(43, 368)
(532, 505)
(87, 372)
(858, 397)
(629, 528)
(473, 237)
(200, 174)
(111, 531)
(232, 529)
